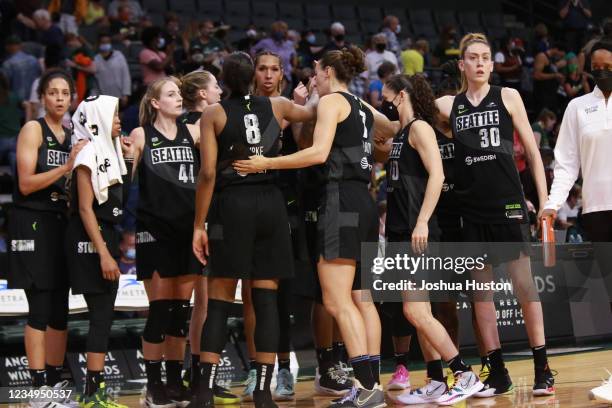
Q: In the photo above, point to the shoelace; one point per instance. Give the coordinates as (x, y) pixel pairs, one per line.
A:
(351, 395)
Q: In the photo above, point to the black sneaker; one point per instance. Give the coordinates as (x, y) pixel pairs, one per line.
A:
(156, 397)
(263, 399)
(223, 396)
(180, 395)
(497, 383)
(332, 382)
(199, 400)
(544, 383)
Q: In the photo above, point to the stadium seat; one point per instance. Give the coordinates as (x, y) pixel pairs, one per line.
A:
(263, 22)
(295, 24)
(157, 18)
(155, 6)
(344, 12)
(355, 39)
(183, 6)
(445, 18)
(399, 12)
(424, 30)
(237, 21)
(318, 24)
(492, 19)
(237, 8)
(318, 11)
(233, 35)
(290, 10)
(469, 28)
(351, 26)
(469, 18)
(265, 9)
(370, 27)
(212, 9)
(496, 33)
(370, 13)
(420, 18)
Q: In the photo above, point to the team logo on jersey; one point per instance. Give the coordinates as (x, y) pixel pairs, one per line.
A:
(491, 105)
(23, 245)
(185, 141)
(172, 154)
(54, 196)
(461, 109)
(469, 160)
(49, 139)
(396, 149)
(477, 120)
(56, 158)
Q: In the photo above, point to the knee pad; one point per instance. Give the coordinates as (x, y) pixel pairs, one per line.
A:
(58, 318)
(39, 311)
(157, 321)
(267, 327)
(214, 332)
(179, 319)
(401, 326)
(101, 310)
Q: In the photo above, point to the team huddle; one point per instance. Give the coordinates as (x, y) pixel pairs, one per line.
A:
(262, 189)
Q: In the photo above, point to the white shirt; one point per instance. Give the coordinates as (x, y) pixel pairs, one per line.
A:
(500, 58)
(585, 145)
(113, 75)
(374, 59)
(566, 212)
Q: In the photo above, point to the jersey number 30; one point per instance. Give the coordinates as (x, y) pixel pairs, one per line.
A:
(489, 137)
(251, 123)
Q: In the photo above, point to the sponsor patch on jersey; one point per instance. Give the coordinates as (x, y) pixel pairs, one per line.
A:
(446, 187)
(515, 206)
(491, 105)
(117, 212)
(515, 214)
(591, 109)
(22, 245)
(469, 160)
(185, 141)
(56, 158)
(172, 154)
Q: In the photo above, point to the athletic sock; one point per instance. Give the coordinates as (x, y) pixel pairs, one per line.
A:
(540, 359)
(284, 364)
(264, 376)
(195, 371)
(375, 367)
(173, 373)
(363, 370)
(93, 381)
(456, 364)
(54, 374)
(38, 378)
(208, 375)
(402, 358)
(496, 360)
(153, 369)
(325, 359)
(435, 370)
(340, 354)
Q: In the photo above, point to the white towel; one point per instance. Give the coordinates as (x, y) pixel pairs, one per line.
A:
(93, 121)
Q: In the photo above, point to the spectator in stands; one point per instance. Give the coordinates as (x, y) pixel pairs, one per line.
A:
(447, 48)
(541, 35)
(22, 8)
(20, 69)
(337, 38)
(576, 83)
(47, 33)
(249, 40)
(508, 64)
(385, 71)
(575, 17)
(96, 14)
(542, 128)
(378, 56)
(71, 13)
(605, 34)
(413, 58)
(391, 29)
(174, 35)
(278, 43)
(307, 49)
(135, 10)
(81, 60)
(54, 58)
(153, 60)
(123, 28)
(547, 78)
(112, 71)
(569, 211)
(10, 114)
(127, 261)
(211, 48)
(359, 85)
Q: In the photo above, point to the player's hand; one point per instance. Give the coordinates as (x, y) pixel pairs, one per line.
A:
(200, 244)
(255, 164)
(127, 147)
(74, 152)
(548, 212)
(419, 237)
(300, 95)
(110, 269)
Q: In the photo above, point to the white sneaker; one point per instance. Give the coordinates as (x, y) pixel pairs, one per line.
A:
(466, 384)
(429, 393)
(63, 388)
(251, 381)
(603, 393)
(43, 402)
(284, 386)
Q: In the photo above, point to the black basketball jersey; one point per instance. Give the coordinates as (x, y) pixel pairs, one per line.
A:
(486, 179)
(167, 176)
(406, 185)
(447, 209)
(51, 154)
(111, 211)
(190, 118)
(287, 179)
(251, 129)
(350, 157)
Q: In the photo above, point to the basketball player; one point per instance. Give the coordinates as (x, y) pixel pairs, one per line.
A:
(343, 133)
(36, 229)
(415, 178)
(200, 89)
(167, 164)
(493, 209)
(247, 225)
(93, 237)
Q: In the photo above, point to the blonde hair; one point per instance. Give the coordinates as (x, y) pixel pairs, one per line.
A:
(466, 41)
(147, 113)
(191, 84)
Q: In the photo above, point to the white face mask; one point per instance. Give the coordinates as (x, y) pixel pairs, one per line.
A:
(251, 33)
(398, 29)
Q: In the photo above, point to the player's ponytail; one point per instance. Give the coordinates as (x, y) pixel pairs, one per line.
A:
(420, 93)
(466, 41)
(347, 63)
(147, 113)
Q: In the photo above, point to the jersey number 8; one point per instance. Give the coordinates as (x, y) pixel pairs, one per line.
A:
(251, 123)
(489, 137)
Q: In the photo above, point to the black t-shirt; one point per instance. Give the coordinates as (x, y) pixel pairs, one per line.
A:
(487, 183)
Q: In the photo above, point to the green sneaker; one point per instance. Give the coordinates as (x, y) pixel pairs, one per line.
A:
(100, 399)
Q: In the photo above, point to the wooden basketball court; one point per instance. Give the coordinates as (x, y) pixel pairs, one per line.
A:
(577, 374)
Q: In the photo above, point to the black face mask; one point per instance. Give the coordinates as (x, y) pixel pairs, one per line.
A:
(603, 79)
(339, 37)
(389, 110)
(381, 47)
